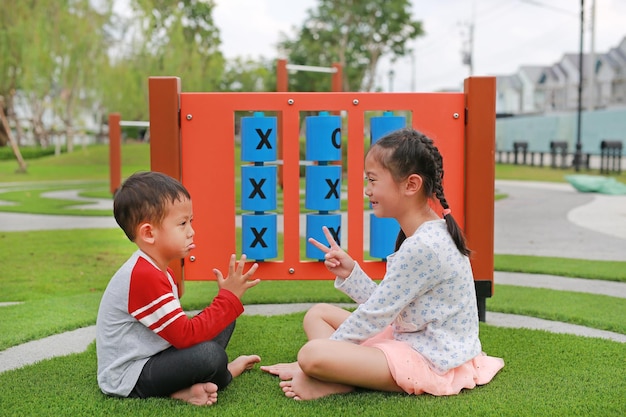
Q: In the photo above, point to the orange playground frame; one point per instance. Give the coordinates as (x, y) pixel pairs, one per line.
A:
(193, 139)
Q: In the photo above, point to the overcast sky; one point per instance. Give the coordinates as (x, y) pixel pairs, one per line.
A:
(507, 34)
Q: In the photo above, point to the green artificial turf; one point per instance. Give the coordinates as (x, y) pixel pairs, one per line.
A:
(566, 267)
(545, 375)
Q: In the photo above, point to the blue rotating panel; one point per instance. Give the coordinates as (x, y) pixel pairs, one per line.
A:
(258, 188)
(384, 231)
(383, 235)
(323, 187)
(314, 223)
(259, 240)
(258, 138)
(323, 137)
(385, 124)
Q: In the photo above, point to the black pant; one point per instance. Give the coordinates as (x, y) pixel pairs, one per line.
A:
(174, 369)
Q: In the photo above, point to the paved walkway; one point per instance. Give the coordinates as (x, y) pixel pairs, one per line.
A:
(550, 219)
(540, 219)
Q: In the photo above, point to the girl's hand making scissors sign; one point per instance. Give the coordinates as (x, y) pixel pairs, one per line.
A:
(336, 259)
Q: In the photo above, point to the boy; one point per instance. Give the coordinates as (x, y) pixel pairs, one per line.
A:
(146, 345)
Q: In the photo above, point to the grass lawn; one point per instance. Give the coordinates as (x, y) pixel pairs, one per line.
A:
(59, 277)
(66, 271)
(545, 375)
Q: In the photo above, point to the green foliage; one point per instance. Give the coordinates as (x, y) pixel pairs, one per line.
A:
(81, 59)
(355, 34)
(170, 39)
(52, 54)
(245, 75)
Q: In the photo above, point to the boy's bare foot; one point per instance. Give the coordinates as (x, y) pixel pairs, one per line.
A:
(282, 370)
(198, 394)
(303, 387)
(242, 363)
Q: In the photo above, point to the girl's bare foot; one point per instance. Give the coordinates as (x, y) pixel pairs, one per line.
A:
(198, 394)
(242, 363)
(282, 370)
(303, 387)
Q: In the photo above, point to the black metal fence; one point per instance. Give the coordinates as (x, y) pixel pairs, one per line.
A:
(611, 156)
(560, 156)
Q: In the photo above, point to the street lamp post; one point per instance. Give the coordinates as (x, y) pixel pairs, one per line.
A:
(579, 146)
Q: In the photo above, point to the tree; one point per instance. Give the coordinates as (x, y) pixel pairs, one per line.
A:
(163, 38)
(248, 75)
(52, 52)
(80, 58)
(16, 150)
(354, 33)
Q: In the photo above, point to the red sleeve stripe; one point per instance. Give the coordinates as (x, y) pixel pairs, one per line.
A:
(167, 323)
(152, 304)
(156, 315)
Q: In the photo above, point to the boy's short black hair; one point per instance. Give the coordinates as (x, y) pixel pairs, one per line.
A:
(144, 196)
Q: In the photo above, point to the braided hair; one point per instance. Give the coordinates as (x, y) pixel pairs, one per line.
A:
(407, 151)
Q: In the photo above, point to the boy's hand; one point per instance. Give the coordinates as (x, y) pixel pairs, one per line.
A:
(237, 282)
(336, 259)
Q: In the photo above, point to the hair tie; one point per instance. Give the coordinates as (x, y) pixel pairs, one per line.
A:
(446, 212)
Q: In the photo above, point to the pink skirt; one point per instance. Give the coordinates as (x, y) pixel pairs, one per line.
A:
(414, 375)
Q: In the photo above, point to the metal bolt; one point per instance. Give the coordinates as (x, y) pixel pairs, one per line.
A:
(455, 115)
(189, 117)
(355, 102)
(292, 271)
(290, 101)
(192, 258)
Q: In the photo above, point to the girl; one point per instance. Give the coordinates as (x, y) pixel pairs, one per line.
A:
(416, 331)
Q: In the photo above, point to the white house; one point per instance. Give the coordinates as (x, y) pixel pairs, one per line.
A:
(554, 88)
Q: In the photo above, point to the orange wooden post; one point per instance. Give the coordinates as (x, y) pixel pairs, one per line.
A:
(282, 85)
(480, 94)
(165, 125)
(165, 149)
(337, 80)
(115, 145)
(282, 78)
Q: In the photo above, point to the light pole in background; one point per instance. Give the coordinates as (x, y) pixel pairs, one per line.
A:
(579, 146)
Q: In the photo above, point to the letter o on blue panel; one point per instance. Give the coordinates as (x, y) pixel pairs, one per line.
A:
(383, 125)
(314, 223)
(258, 188)
(323, 137)
(323, 187)
(259, 240)
(383, 235)
(258, 138)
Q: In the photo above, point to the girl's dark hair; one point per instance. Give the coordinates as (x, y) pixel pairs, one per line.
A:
(407, 151)
(145, 196)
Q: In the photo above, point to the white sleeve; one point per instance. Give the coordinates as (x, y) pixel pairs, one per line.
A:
(358, 285)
